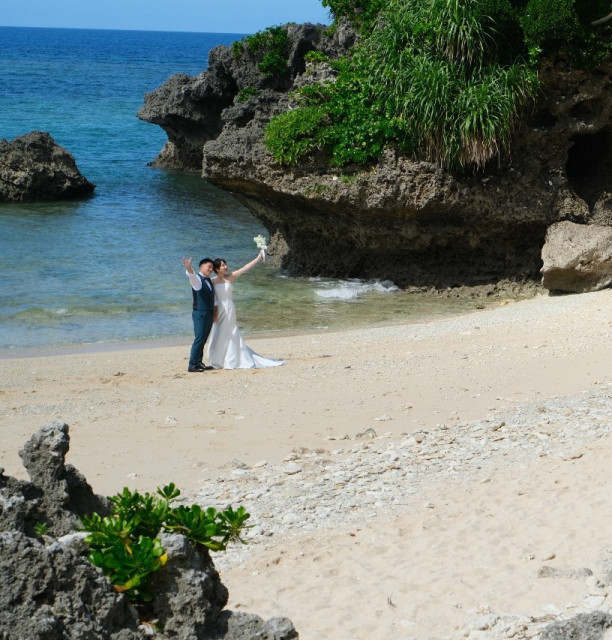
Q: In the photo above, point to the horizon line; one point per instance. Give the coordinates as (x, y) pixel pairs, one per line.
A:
(230, 33)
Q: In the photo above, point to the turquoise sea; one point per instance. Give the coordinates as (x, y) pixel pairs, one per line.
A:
(108, 269)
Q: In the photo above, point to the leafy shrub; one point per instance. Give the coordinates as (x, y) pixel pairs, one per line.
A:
(444, 80)
(270, 47)
(316, 56)
(565, 26)
(361, 12)
(550, 23)
(126, 547)
(246, 93)
(295, 133)
(237, 49)
(435, 76)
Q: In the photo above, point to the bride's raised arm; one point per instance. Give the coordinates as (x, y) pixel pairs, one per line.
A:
(249, 265)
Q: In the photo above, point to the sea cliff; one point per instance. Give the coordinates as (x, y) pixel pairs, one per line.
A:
(398, 218)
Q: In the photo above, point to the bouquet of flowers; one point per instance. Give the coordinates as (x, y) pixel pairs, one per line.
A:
(260, 243)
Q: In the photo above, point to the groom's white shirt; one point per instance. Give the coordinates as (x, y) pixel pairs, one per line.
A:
(196, 281)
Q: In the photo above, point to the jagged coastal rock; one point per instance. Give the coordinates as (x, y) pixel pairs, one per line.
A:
(398, 219)
(585, 626)
(577, 257)
(35, 167)
(50, 591)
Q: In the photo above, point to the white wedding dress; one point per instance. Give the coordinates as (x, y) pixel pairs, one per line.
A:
(226, 348)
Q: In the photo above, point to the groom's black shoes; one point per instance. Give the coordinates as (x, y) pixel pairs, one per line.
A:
(198, 368)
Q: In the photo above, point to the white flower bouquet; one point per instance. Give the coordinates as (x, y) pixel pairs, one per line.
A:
(260, 243)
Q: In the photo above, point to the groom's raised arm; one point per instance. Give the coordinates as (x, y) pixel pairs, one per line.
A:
(196, 283)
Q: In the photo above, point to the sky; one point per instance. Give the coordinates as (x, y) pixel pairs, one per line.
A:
(215, 16)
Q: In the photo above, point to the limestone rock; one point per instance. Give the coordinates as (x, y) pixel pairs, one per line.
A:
(577, 257)
(399, 218)
(237, 625)
(584, 626)
(194, 110)
(188, 591)
(35, 167)
(57, 494)
(189, 598)
(51, 593)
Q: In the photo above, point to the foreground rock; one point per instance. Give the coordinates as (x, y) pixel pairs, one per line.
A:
(50, 591)
(399, 219)
(586, 626)
(577, 258)
(57, 494)
(35, 167)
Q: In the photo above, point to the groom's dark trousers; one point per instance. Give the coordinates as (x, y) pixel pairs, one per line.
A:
(202, 315)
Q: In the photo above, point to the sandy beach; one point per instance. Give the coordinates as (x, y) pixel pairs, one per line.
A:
(444, 479)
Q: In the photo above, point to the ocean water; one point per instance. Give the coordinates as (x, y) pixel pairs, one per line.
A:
(108, 269)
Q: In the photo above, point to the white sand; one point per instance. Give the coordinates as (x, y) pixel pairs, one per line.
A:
(462, 547)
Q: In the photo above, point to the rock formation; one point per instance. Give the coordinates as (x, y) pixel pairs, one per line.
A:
(577, 257)
(50, 591)
(585, 626)
(35, 167)
(398, 219)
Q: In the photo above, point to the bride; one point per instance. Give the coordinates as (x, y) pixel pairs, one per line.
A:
(227, 349)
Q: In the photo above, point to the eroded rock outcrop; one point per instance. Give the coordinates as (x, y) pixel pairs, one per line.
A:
(35, 167)
(398, 219)
(577, 257)
(57, 494)
(50, 591)
(585, 626)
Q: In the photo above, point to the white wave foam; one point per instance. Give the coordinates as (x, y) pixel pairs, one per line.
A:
(352, 289)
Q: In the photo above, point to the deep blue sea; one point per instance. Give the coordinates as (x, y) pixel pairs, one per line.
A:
(108, 269)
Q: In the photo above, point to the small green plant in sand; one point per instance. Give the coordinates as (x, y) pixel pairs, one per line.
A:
(126, 547)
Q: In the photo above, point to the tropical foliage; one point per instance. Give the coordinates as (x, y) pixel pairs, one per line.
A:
(361, 12)
(270, 47)
(444, 80)
(565, 26)
(126, 547)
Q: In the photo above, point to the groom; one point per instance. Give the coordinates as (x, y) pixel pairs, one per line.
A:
(204, 310)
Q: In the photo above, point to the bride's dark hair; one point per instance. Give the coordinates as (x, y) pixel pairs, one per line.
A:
(217, 263)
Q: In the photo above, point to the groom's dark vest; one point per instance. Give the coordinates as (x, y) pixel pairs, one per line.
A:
(204, 299)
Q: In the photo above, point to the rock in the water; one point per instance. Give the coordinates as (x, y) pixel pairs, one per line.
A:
(35, 167)
(577, 258)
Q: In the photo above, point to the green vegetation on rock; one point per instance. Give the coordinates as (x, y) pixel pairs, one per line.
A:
(245, 94)
(443, 80)
(360, 12)
(270, 47)
(564, 26)
(126, 547)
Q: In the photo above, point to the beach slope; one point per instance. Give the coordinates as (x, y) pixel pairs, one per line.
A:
(486, 465)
